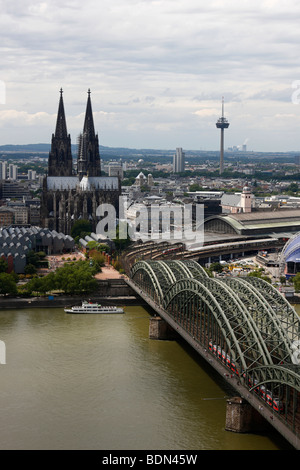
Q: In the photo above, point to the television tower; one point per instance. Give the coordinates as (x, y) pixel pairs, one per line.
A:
(222, 124)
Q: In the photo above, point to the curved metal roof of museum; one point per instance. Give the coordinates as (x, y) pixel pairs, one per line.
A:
(291, 251)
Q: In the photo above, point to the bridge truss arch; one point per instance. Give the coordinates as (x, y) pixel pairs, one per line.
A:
(279, 375)
(224, 321)
(266, 317)
(156, 276)
(248, 311)
(149, 280)
(245, 323)
(289, 320)
(258, 324)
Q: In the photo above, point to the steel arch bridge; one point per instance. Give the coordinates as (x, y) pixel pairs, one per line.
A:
(245, 324)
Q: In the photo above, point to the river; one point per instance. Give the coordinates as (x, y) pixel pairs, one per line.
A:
(98, 382)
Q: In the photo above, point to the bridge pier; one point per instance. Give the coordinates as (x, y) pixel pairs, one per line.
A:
(241, 417)
(160, 329)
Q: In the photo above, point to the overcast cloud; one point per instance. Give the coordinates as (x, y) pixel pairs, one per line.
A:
(157, 71)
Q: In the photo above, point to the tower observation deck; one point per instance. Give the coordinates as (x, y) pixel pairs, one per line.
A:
(222, 124)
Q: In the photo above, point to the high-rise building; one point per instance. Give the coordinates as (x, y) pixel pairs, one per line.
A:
(31, 174)
(179, 161)
(3, 170)
(12, 172)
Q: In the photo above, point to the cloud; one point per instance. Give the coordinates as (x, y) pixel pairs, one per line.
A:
(11, 117)
(206, 112)
(153, 66)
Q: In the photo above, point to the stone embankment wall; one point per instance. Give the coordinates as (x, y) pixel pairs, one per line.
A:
(109, 292)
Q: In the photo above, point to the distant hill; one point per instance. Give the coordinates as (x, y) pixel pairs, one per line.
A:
(107, 153)
(34, 148)
(112, 152)
(38, 148)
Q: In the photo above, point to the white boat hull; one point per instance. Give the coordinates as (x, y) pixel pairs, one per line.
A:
(88, 308)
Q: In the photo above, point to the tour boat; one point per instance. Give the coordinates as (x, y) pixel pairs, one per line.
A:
(89, 307)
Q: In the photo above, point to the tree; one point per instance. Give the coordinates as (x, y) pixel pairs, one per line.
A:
(296, 282)
(32, 258)
(195, 187)
(208, 271)
(3, 265)
(282, 279)
(92, 245)
(103, 247)
(217, 267)
(81, 227)
(30, 269)
(7, 284)
(121, 243)
(97, 259)
(293, 187)
(72, 278)
(76, 278)
(41, 284)
(36, 259)
(258, 273)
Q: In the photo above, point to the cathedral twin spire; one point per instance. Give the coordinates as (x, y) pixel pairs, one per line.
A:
(60, 156)
(61, 125)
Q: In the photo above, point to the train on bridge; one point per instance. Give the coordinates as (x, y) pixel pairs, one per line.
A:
(260, 390)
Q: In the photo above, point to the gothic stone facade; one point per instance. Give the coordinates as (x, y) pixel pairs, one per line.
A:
(68, 196)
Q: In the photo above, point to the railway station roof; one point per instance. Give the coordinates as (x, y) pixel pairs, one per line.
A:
(272, 223)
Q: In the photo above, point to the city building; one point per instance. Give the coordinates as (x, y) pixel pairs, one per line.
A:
(3, 170)
(11, 189)
(68, 196)
(238, 202)
(281, 224)
(17, 242)
(6, 216)
(12, 172)
(31, 174)
(179, 161)
(115, 169)
(20, 212)
(140, 180)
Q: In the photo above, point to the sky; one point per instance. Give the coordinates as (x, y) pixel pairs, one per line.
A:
(157, 71)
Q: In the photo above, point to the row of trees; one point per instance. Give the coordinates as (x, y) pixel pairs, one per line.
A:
(72, 278)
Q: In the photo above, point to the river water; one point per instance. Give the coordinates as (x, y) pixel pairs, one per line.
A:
(98, 382)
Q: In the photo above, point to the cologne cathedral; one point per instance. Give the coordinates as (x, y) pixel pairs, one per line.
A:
(70, 195)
